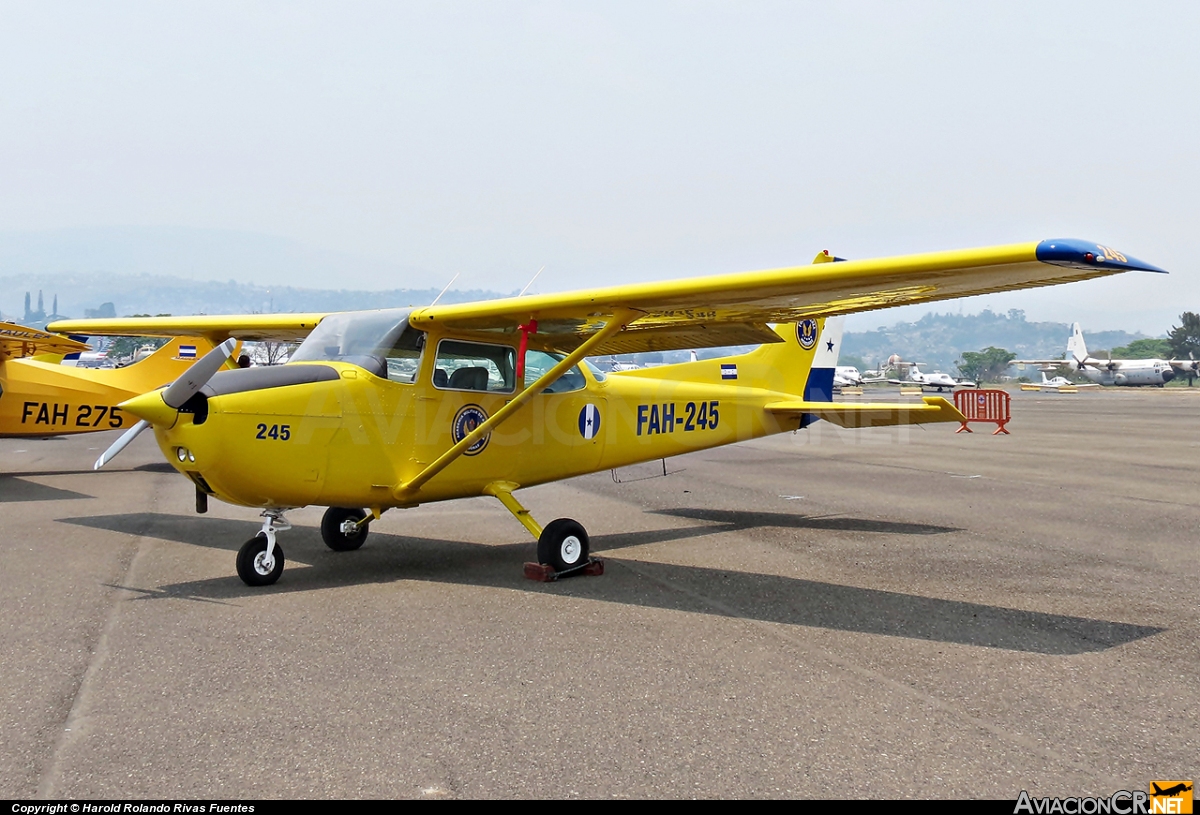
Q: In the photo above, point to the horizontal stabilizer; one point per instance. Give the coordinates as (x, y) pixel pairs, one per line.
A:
(879, 414)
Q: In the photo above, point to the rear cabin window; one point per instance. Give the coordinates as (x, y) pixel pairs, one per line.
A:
(475, 366)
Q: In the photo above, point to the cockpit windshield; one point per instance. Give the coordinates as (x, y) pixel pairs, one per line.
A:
(380, 341)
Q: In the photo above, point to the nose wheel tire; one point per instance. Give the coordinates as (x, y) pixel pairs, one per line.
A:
(341, 530)
(253, 566)
(563, 545)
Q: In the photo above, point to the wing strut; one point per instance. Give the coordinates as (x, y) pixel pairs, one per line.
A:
(619, 320)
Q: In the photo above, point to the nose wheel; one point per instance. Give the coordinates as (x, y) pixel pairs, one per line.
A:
(256, 565)
(260, 560)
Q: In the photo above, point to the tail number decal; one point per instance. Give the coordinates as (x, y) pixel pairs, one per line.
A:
(55, 415)
(671, 416)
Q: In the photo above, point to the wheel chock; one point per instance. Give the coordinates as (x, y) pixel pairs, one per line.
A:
(546, 574)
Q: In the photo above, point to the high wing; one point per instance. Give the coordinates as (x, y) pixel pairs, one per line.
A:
(736, 308)
(215, 328)
(19, 341)
(701, 312)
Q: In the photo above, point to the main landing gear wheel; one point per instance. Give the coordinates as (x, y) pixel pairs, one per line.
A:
(563, 545)
(253, 566)
(341, 530)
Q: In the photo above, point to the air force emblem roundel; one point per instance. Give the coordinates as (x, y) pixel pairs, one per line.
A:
(467, 419)
(806, 333)
(589, 421)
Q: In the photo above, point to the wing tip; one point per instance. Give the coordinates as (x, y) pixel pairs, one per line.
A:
(1079, 254)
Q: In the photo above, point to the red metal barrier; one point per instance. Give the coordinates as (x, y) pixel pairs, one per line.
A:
(984, 405)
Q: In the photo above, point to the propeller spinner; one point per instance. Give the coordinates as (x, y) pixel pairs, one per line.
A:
(163, 406)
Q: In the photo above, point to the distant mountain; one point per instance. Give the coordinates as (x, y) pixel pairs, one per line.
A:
(79, 294)
(195, 254)
(940, 339)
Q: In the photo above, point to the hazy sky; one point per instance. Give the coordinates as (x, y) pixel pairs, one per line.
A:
(616, 142)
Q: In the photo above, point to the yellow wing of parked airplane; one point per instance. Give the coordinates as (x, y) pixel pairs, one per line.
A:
(41, 397)
(398, 407)
(17, 342)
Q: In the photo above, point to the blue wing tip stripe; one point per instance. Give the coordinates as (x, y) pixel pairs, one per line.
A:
(1086, 255)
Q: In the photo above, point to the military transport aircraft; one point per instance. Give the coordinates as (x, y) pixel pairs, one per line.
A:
(394, 408)
(40, 396)
(1120, 372)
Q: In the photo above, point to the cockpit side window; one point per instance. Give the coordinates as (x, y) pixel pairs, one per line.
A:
(404, 357)
(474, 366)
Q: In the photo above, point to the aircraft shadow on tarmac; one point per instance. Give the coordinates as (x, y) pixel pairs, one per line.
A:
(14, 490)
(155, 467)
(745, 519)
(764, 597)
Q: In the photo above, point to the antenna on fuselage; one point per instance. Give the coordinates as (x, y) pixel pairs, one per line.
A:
(530, 283)
(448, 285)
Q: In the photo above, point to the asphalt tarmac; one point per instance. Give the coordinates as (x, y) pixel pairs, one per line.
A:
(865, 614)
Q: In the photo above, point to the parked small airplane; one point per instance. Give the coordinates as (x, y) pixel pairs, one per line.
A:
(394, 408)
(845, 376)
(87, 359)
(937, 379)
(40, 396)
(1058, 383)
(1119, 372)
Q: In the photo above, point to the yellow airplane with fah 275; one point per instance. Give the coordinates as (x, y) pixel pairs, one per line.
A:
(41, 397)
(393, 408)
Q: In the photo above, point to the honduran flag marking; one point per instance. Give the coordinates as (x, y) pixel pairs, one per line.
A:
(589, 421)
(187, 352)
(729, 370)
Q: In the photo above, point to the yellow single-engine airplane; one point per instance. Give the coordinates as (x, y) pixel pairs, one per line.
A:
(399, 407)
(40, 397)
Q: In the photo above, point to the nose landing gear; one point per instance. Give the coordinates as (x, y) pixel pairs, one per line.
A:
(260, 560)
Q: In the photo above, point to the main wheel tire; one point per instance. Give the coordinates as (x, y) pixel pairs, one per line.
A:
(331, 529)
(563, 545)
(252, 565)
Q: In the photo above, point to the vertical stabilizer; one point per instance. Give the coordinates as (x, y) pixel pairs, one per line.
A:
(819, 387)
(1075, 346)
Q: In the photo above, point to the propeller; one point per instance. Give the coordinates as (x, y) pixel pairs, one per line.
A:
(175, 395)
(120, 444)
(197, 376)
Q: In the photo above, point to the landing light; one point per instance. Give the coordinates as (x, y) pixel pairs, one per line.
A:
(184, 454)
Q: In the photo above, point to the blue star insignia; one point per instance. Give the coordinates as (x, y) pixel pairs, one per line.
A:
(829, 344)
